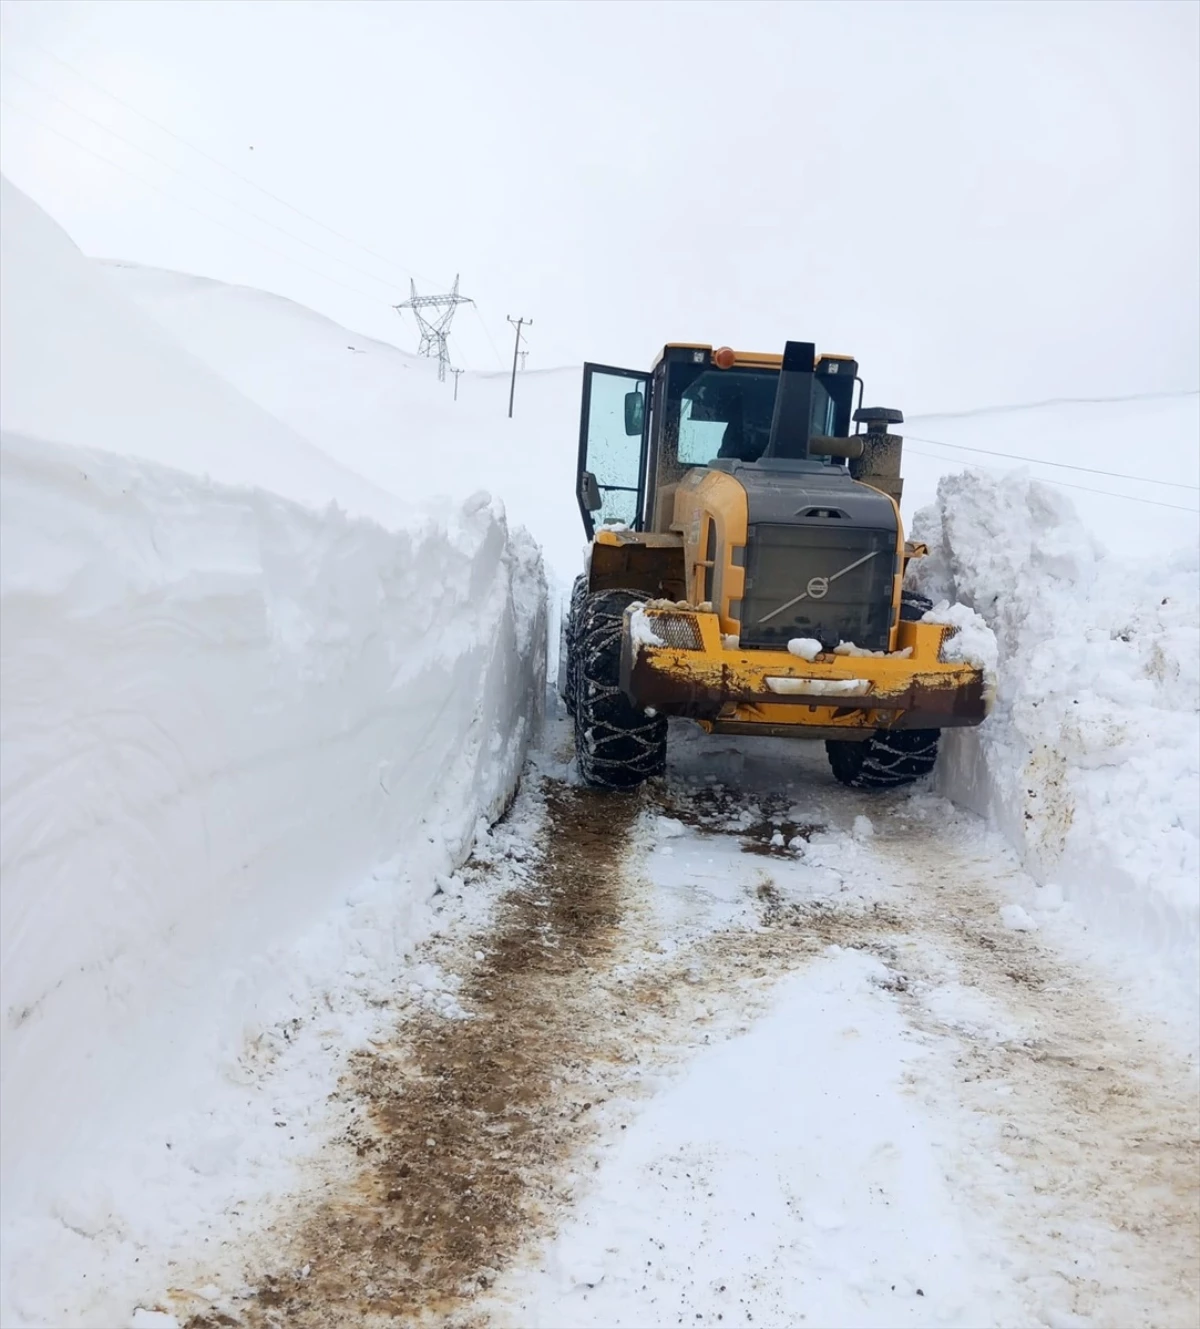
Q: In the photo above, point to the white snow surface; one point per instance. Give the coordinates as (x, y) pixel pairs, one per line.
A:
(254, 708)
(641, 630)
(849, 649)
(865, 1140)
(807, 648)
(83, 366)
(816, 687)
(972, 642)
(380, 410)
(1090, 762)
(800, 1187)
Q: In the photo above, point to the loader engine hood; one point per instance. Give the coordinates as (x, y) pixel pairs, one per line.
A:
(821, 555)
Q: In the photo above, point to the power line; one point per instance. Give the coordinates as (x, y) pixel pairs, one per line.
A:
(1065, 465)
(1063, 484)
(216, 193)
(462, 359)
(1131, 498)
(488, 335)
(1055, 401)
(383, 258)
(217, 162)
(191, 207)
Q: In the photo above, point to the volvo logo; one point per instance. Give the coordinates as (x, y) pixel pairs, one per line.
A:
(818, 587)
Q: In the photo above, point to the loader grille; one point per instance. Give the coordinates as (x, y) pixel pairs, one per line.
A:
(818, 581)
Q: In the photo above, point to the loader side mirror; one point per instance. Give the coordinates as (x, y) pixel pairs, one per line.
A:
(635, 413)
(589, 491)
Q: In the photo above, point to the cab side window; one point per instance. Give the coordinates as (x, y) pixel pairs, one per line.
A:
(612, 446)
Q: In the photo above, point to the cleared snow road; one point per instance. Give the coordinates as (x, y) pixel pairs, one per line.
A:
(785, 1055)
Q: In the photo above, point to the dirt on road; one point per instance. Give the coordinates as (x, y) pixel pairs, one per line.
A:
(467, 1133)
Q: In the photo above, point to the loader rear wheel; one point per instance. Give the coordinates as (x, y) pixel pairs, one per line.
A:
(890, 758)
(566, 648)
(617, 746)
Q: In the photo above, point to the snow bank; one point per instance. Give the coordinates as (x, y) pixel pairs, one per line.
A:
(1090, 762)
(378, 409)
(225, 702)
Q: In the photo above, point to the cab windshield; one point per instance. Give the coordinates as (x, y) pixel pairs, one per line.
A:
(727, 412)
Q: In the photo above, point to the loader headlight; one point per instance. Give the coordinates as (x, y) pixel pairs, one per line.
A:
(949, 632)
(679, 631)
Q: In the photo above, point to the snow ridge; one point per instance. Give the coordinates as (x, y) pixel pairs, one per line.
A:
(254, 709)
(1090, 762)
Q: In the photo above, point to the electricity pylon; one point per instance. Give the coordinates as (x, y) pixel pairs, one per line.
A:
(435, 331)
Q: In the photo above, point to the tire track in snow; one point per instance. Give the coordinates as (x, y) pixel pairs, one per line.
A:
(467, 1131)
(461, 1123)
(473, 1132)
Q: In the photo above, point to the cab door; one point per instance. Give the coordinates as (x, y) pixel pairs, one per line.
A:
(613, 431)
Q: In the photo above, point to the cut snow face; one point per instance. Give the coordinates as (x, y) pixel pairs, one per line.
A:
(239, 749)
(380, 410)
(1090, 761)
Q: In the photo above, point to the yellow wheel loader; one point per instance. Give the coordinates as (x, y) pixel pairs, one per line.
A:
(746, 571)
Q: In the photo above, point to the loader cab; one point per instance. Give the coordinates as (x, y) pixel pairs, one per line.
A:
(641, 432)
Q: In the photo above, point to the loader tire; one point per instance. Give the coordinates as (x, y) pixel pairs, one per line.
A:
(914, 607)
(566, 646)
(617, 746)
(890, 758)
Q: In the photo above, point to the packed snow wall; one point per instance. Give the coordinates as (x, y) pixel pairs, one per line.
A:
(230, 702)
(1090, 762)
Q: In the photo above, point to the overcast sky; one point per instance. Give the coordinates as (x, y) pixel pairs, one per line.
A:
(986, 202)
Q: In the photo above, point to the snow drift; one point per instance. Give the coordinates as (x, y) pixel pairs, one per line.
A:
(237, 678)
(379, 410)
(1090, 762)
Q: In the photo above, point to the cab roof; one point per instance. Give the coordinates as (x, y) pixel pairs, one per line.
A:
(741, 359)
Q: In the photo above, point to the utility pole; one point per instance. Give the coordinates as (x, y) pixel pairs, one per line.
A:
(456, 373)
(517, 323)
(435, 331)
(524, 357)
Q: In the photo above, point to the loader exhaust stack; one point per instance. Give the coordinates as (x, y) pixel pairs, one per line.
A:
(791, 423)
